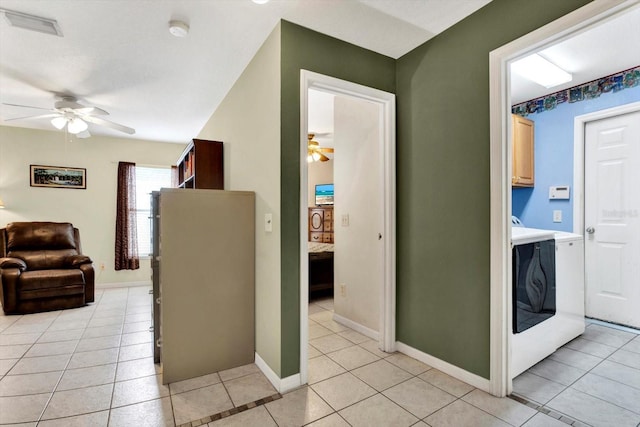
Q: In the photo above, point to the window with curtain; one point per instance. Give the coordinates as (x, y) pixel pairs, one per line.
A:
(126, 250)
(148, 179)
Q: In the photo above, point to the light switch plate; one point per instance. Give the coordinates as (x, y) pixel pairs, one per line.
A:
(345, 220)
(268, 222)
(557, 216)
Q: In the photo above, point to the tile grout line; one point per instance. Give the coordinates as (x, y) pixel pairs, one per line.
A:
(44, 409)
(115, 374)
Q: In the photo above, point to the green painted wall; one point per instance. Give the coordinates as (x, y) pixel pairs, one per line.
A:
(306, 49)
(443, 181)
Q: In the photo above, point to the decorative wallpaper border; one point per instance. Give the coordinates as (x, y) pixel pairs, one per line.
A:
(593, 89)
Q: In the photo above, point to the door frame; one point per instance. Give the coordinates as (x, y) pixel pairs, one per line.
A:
(387, 180)
(564, 27)
(579, 149)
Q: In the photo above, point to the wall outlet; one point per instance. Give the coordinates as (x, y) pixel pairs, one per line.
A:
(557, 216)
(343, 290)
(101, 265)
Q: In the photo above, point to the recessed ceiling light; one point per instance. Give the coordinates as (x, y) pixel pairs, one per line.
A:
(178, 28)
(32, 22)
(537, 69)
(260, 1)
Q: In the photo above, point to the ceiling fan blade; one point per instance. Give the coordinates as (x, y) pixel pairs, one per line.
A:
(323, 158)
(27, 106)
(92, 111)
(325, 150)
(41, 116)
(107, 123)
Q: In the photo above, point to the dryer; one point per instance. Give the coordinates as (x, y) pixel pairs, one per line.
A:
(533, 344)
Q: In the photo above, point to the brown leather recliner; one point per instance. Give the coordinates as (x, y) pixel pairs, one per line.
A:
(42, 269)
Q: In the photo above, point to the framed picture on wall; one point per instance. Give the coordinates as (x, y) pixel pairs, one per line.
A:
(58, 177)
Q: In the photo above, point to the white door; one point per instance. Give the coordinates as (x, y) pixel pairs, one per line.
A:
(359, 199)
(612, 219)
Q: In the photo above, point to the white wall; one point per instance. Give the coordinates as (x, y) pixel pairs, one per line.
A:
(248, 122)
(92, 211)
(358, 193)
(318, 173)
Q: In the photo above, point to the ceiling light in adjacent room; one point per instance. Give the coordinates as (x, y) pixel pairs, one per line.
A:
(31, 22)
(178, 28)
(537, 69)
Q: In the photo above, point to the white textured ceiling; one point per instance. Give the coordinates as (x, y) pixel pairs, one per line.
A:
(118, 54)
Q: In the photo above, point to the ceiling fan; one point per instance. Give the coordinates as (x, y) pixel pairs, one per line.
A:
(68, 112)
(315, 152)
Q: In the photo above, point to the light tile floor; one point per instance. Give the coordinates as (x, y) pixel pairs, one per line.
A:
(353, 383)
(594, 379)
(93, 366)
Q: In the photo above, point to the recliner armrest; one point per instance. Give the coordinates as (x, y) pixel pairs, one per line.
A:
(77, 260)
(13, 263)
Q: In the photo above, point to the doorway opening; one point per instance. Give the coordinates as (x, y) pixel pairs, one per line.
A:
(380, 229)
(578, 21)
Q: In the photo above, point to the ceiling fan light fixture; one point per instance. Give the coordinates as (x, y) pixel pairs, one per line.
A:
(77, 125)
(59, 122)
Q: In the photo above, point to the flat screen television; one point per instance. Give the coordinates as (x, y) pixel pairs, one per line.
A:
(324, 194)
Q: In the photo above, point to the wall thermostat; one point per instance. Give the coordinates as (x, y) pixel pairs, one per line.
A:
(559, 192)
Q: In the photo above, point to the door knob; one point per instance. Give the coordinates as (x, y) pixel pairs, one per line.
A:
(591, 230)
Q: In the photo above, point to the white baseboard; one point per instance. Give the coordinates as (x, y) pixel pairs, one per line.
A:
(356, 327)
(282, 385)
(121, 285)
(446, 367)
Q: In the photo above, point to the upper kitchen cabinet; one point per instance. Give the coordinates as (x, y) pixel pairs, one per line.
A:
(522, 150)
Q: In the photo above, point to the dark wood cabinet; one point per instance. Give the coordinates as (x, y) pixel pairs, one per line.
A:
(201, 165)
(321, 224)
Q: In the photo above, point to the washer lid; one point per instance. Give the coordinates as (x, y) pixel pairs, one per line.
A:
(563, 236)
(521, 235)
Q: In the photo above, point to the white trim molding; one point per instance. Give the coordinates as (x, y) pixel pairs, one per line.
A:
(563, 28)
(282, 385)
(387, 101)
(449, 369)
(368, 332)
(121, 285)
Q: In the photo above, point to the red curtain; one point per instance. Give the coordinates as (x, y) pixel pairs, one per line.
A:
(126, 241)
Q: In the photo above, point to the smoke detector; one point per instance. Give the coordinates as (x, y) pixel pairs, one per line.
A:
(178, 28)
